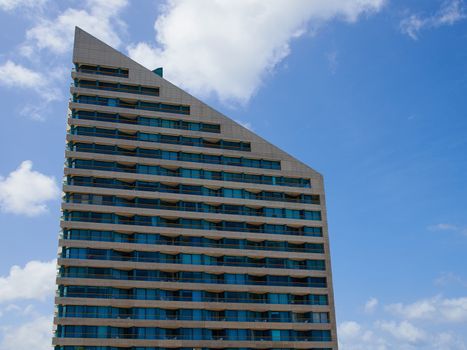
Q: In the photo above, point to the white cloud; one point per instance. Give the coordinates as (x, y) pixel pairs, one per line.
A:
(447, 278)
(25, 191)
(353, 336)
(36, 281)
(227, 47)
(448, 227)
(16, 75)
(9, 5)
(451, 11)
(444, 227)
(404, 331)
(371, 305)
(389, 335)
(35, 334)
(412, 25)
(99, 17)
(428, 324)
(349, 329)
(434, 309)
(55, 35)
(333, 61)
(12, 74)
(448, 341)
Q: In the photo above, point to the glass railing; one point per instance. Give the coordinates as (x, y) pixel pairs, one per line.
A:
(147, 121)
(189, 259)
(155, 221)
(71, 291)
(71, 311)
(156, 204)
(125, 88)
(119, 103)
(75, 347)
(180, 277)
(192, 190)
(188, 173)
(114, 72)
(161, 138)
(109, 332)
(174, 156)
(187, 241)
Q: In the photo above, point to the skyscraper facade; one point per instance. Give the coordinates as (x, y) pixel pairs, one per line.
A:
(181, 229)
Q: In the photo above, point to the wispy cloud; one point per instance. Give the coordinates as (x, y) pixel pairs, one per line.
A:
(436, 309)
(400, 335)
(333, 61)
(371, 305)
(443, 227)
(10, 5)
(234, 45)
(389, 335)
(404, 331)
(48, 38)
(26, 191)
(12, 74)
(100, 17)
(451, 11)
(448, 227)
(448, 278)
(16, 75)
(408, 326)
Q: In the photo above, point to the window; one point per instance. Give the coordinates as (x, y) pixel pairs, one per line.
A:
(312, 215)
(277, 298)
(273, 212)
(169, 155)
(292, 214)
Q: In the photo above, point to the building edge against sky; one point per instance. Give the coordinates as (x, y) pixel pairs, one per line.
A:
(181, 228)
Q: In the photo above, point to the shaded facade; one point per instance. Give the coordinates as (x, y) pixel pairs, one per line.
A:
(181, 228)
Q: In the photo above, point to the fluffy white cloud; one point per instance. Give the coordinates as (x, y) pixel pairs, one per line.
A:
(404, 331)
(12, 74)
(23, 328)
(435, 309)
(16, 75)
(51, 34)
(451, 11)
(428, 324)
(227, 47)
(9, 5)
(349, 329)
(35, 334)
(36, 281)
(99, 17)
(371, 305)
(448, 341)
(25, 191)
(353, 336)
(389, 335)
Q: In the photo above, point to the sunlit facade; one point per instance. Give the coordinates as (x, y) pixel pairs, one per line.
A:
(182, 229)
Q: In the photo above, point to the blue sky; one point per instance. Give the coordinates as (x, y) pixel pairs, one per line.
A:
(371, 93)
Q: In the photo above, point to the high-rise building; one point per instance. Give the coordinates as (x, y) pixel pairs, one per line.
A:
(181, 228)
